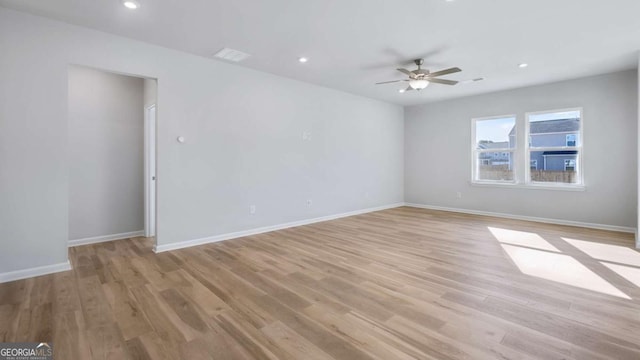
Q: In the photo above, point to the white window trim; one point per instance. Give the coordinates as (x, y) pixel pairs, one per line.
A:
(552, 133)
(579, 149)
(475, 151)
(536, 186)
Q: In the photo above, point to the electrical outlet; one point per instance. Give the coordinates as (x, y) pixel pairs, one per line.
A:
(252, 209)
(459, 195)
(309, 202)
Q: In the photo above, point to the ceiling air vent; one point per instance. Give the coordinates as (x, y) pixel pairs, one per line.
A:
(231, 55)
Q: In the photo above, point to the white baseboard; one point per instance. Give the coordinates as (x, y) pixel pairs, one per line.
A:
(261, 230)
(103, 238)
(36, 271)
(624, 229)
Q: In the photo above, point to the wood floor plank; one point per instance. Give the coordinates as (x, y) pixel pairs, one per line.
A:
(70, 336)
(250, 338)
(126, 310)
(95, 306)
(160, 319)
(106, 343)
(355, 334)
(294, 344)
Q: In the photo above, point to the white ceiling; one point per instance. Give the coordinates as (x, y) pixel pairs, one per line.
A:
(353, 44)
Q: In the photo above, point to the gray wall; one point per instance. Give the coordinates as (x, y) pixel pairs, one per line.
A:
(438, 155)
(244, 141)
(106, 150)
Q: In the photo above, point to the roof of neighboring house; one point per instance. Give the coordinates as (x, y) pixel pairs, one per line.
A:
(561, 152)
(551, 126)
(494, 145)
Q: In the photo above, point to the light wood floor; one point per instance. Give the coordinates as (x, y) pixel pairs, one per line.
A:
(397, 284)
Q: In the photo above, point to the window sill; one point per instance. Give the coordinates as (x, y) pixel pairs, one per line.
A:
(507, 185)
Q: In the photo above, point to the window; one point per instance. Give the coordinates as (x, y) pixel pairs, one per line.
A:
(551, 144)
(493, 149)
(550, 134)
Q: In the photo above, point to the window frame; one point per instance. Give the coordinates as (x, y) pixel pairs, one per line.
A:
(475, 152)
(578, 148)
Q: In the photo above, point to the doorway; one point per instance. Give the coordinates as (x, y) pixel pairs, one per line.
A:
(112, 122)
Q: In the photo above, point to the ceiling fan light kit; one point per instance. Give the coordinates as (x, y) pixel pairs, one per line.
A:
(131, 4)
(419, 79)
(418, 84)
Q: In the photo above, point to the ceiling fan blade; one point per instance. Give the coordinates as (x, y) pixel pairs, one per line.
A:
(407, 72)
(442, 81)
(409, 88)
(445, 72)
(469, 81)
(390, 82)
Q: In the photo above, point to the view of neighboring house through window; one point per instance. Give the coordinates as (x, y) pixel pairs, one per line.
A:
(494, 149)
(569, 165)
(554, 145)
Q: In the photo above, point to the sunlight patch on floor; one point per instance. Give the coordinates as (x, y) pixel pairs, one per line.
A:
(559, 268)
(632, 274)
(607, 252)
(522, 238)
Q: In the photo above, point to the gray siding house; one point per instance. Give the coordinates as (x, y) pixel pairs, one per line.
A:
(553, 133)
(495, 158)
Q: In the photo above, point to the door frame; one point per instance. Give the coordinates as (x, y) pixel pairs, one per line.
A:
(150, 157)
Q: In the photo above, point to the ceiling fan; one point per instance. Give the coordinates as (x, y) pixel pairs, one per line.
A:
(420, 78)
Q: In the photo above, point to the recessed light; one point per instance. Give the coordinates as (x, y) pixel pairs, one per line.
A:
(131, 4)
(303, 59)
(523, 65)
